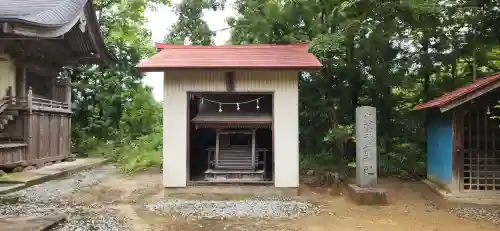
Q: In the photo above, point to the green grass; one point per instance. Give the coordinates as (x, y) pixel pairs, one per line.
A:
(134, 156)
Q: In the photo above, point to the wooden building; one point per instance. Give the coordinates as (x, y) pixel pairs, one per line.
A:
(37, 39)
(463, 140)
(231, 112)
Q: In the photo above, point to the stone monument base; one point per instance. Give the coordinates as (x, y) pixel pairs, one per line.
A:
(367, 196)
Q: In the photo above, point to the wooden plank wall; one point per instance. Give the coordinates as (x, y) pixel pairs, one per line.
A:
(59, 93)
(13, 155)
(48, 136)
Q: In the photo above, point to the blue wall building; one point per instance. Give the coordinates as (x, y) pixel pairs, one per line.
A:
(463, 151)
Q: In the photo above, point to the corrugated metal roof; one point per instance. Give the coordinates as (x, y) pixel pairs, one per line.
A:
(459, 93)
(50, 13)
(267, 56)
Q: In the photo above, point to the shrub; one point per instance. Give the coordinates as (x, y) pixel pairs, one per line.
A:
(319, 162)
(141, 153)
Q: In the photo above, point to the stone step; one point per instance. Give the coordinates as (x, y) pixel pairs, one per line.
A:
(234, 164)
(235, 149)
(236, 158)
(236, 161)
(234, 175)
(234, 167)
(233, 154)
(228, 171)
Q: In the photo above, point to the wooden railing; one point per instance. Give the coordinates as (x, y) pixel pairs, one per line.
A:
(7, 100)
(36, 103)
(48, 105)
(4, 103)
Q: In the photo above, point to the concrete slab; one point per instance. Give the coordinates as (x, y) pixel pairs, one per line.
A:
(30, 223)
(21, 177)
(20, 180)
(243, 190)
(367, 196)
(71, 165)
(464, 198)
(7, 188)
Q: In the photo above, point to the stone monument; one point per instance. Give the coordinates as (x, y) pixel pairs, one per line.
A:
(365, 190)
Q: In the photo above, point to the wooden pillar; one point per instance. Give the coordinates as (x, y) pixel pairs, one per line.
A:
(209, 152)
(456, 149)
(21, 80)
(217, 146)
(8, 94)
(253, 149)
(30, 99)
(68, 94)
(52, 87)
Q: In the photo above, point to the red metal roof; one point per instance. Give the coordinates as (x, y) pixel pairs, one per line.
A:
(459, 93)
(232, 57)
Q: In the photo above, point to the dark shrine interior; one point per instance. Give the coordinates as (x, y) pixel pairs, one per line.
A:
(202, 138)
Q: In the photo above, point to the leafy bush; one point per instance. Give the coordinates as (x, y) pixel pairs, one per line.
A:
(139, 154)
(407, 161)
(319, 162)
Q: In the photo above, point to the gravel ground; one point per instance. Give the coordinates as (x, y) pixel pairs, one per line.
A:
(52, 191)
(476, 213)
(254, 208)
(88, 220)
(48, 199)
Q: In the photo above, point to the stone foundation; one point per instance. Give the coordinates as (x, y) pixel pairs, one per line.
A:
(246, 190)
(367, 196)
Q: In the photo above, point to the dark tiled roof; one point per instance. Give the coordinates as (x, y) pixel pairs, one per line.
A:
(48, 13)
(257, 56)
(460, 92)
(233, 117)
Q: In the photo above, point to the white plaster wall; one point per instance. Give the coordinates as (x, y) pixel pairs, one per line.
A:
(7, 75)
(284, 85)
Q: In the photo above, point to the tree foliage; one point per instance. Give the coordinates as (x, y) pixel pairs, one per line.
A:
(387, 54)
(110, 103)
(190, 26)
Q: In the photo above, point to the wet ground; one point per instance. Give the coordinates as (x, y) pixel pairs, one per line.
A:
(102, 199)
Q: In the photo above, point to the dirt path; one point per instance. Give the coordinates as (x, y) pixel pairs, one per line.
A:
(104, 200)
(408, 210)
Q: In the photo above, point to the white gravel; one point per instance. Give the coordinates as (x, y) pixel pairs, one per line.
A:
(254, 208)
(49, 199)
(478, 213)
(53, 197)
(86, 221)
(52, 191)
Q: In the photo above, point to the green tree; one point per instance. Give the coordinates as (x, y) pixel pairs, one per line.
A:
(111, 103)
(190, 26)
(391, 55)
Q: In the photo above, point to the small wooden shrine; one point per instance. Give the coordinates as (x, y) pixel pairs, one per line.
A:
(463, 139)
(36, 42)
(231, 112)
